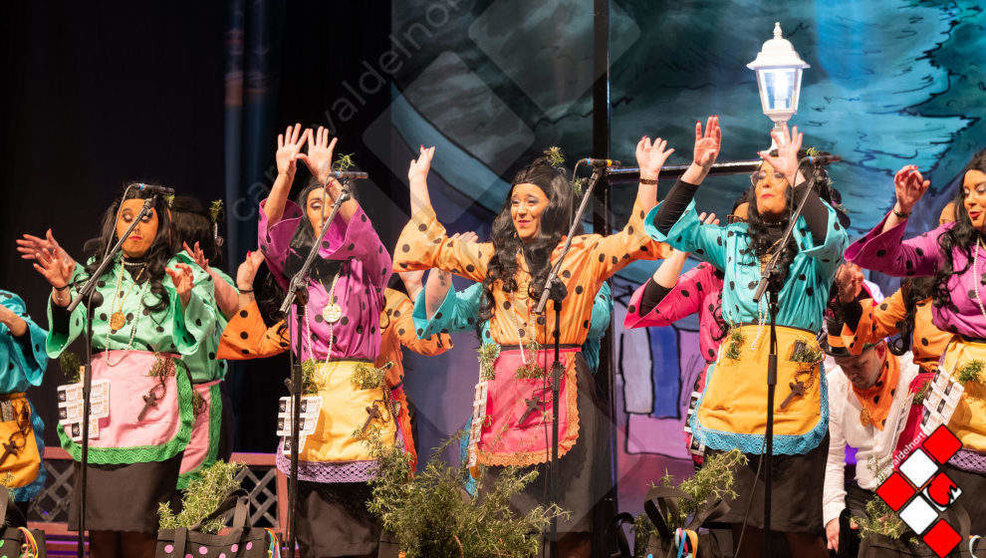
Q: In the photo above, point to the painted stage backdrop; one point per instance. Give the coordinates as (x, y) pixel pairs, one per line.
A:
(492, 83)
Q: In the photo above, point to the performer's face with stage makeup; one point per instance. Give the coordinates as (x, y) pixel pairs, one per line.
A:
(317, 207)
(974, 197)
(771, 190)
(527, 204)
(142, 237)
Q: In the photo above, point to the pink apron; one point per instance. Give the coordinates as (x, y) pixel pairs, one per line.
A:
(519, 410)
(150, 416)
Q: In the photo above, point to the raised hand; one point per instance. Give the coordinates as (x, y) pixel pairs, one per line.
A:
(28, 245)
(198, 255)
(319, 157)
(417, 176)
(651, 156)
(288, 148)
(788, 144)
(53, 267)
(909, 186)
(707, 145)
(247, 270)
(418, 171)
(183, 279)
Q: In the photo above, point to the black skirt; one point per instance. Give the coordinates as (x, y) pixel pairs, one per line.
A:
(125, 497)
(333, 520)
(582, 482)
(797, 482)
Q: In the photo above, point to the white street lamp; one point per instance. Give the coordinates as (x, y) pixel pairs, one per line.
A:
(778, 69)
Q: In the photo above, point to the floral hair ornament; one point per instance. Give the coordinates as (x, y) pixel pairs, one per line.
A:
(554, 157)
(216, 210)
(344, 163)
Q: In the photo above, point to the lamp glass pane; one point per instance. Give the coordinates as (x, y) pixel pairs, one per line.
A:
(777, 88)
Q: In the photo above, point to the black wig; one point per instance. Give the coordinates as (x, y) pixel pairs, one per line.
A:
(961, 236)
(157, 255)
(555, 221)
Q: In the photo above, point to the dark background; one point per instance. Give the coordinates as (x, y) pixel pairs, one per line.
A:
(99, 95)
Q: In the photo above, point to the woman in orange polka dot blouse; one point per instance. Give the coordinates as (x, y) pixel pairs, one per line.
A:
(527, 238)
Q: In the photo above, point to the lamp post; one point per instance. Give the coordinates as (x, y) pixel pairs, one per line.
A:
(778, 69)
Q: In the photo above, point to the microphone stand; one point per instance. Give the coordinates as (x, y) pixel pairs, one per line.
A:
(555, 290)
(297, 295)
(93, 298)
(768, 273)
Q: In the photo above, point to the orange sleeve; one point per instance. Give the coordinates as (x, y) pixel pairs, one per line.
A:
(404, 327)
(247, 336)
(614, 252)
(424, 244)
(876, 322)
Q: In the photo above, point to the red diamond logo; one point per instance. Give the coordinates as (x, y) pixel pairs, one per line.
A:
(942, 444)
(942, 538)
(895, 491)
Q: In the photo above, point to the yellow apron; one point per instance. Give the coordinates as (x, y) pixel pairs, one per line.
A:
(21, 460)
(968, 422)
(343, 415)
(733, 410)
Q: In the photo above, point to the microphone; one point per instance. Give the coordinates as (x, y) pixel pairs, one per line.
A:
(349, 175)
(822, 159)
(162, 190)
(600, 163)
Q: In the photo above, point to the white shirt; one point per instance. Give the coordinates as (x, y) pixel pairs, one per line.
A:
(845, 429)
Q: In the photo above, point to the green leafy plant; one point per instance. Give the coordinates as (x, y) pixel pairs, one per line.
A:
(554, 156)
(488, 353)
(309, 384)
(216, 210)
(164, 366)
(807, 355)
(430, 514)
(736, 340)
(971, 371)
(203, 496)
(71, 367)
(343, 162)
(367, 376)
(713, 482)
(922, 393)
(880, 520)
(532, 370)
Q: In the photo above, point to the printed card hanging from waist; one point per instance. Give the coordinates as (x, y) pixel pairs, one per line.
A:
(142, 408)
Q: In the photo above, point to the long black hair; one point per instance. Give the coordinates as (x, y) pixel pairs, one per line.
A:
(270, 294)
(962, 236)
(555, 220)
(912, 292)
(191, 223)
(157, 255)
(764, 232)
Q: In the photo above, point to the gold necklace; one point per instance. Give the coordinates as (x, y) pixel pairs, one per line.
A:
(118, 319)
(331, 312)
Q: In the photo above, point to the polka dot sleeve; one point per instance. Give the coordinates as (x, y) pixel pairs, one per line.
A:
(889, 253)
(689, 234)
(457, 312)
(876, 322)
(404, 327)
(424, 244)
(614, 252)
(247, 337)
(684, 299)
